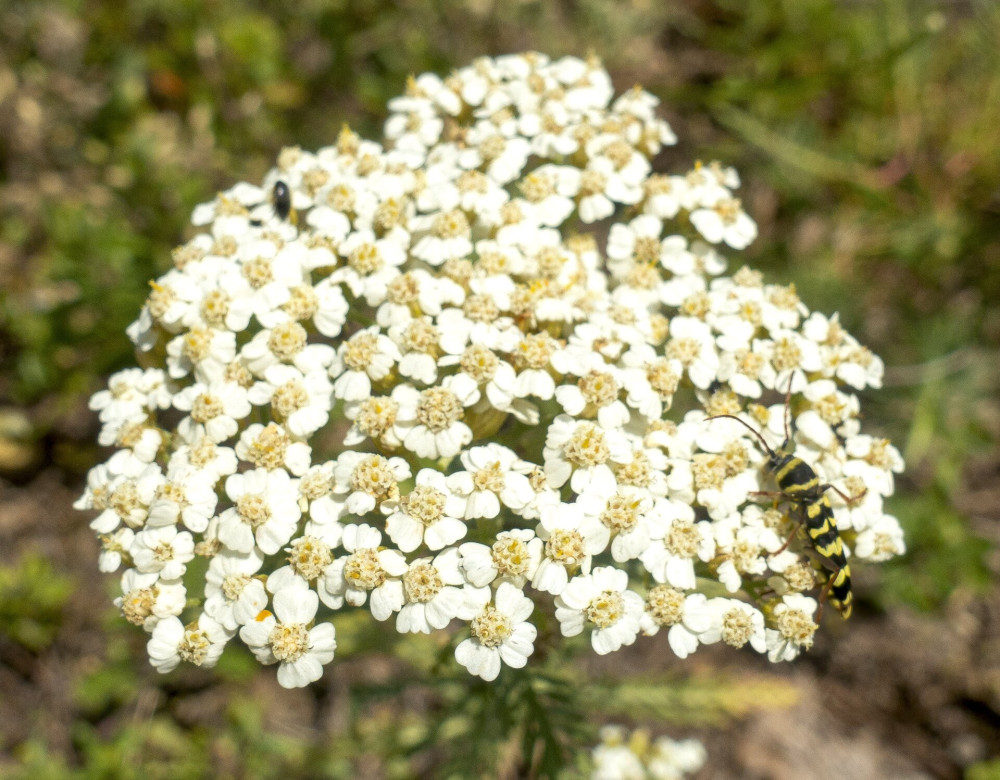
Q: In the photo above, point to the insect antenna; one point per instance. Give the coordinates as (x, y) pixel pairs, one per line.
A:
(749, 427)
(788, 408)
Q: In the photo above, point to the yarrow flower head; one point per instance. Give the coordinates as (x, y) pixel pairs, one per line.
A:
(622, 755)
(472, 374)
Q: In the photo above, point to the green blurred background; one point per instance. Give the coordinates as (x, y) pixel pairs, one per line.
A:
(867, 135)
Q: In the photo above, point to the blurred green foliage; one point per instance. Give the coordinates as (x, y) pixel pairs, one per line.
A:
(865, 133)
(705, 699)
(987, 770)
(32, 599)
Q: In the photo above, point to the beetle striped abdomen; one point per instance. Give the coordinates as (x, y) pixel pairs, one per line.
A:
(822, 528)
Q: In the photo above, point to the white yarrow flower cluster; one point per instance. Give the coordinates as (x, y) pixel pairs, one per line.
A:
(524, 331)
(624, 755)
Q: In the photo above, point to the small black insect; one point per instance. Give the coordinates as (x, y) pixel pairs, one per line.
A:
(281, 199)
(279, 205)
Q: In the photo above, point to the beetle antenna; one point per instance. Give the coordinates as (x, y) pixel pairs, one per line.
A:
(750, 428)
(788, 407)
